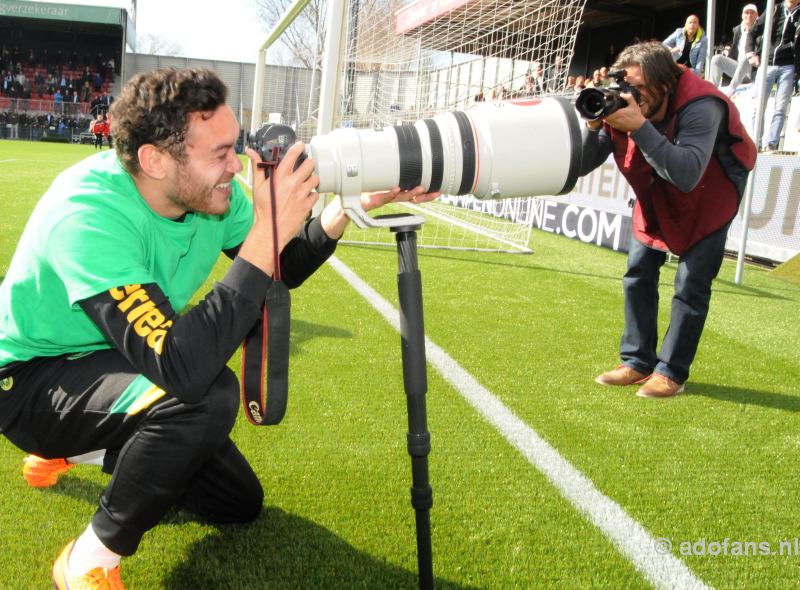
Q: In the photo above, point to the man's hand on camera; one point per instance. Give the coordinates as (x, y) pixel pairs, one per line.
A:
(415, 195)
(629, 118)
(295, 197)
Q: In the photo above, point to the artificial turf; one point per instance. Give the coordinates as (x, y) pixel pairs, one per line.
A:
(719, 462)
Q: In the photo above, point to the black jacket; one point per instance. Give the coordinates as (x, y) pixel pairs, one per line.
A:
(784, 45)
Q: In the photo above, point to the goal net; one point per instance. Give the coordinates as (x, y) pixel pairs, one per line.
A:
(403, 62)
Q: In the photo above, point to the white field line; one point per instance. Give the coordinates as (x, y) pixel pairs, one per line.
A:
(633, 541)
(7, 161)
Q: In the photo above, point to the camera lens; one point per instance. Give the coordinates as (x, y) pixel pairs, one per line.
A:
(591, 103)
(492, 150)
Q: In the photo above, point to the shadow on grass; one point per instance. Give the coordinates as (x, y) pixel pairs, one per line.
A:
(746, 291)
(738, 395)
(303, 332)
(281, 550)
(278, 550)
(455, 258)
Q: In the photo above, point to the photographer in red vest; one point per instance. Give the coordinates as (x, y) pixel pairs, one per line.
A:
(687, 156)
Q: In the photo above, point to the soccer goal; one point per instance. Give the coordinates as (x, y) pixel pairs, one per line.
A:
(389, 62)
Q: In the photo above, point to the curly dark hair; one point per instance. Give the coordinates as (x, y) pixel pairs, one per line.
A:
(154, 108)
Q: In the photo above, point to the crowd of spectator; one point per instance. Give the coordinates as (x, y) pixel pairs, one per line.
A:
(59, 83)
(22, 125)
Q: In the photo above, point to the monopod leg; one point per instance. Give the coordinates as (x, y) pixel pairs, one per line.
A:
(415, 381)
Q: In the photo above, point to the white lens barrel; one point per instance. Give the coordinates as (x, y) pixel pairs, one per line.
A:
(526, 149)
(493, 150)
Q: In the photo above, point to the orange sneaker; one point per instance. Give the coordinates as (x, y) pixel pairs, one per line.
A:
(621, 375)
(43, 473)
(99, 578)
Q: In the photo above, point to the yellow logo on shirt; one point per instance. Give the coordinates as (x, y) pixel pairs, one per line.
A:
(147, 321)
(7, 383)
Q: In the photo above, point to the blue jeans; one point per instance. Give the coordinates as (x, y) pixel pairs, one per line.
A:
(783, 76)
(697, 268)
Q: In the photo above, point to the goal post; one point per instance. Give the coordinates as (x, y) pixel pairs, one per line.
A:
(386, 62)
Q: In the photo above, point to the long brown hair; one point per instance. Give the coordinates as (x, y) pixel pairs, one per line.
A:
(659, 70)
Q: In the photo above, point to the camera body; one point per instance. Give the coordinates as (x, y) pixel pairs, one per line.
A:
(596, 103)
(271, 142)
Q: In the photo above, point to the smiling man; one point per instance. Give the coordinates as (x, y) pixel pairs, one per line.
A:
(94, 350)
(686, 155)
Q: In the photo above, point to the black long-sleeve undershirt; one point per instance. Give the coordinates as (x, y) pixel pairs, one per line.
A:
(183, 354)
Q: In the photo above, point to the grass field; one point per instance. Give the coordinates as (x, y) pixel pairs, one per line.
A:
(719, 462)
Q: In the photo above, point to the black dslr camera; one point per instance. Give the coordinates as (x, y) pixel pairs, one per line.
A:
(271, 142)
(595, 103)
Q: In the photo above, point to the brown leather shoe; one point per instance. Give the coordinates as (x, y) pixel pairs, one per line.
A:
(622, 375)
(660, 386)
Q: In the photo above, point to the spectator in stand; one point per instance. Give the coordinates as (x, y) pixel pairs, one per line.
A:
(87, 75)
(13, 122)
(539, 81)
(784, 53)
(8, 81)
(58, 101)
(25, 94)
(99, 130)
(98, 82)
(479, 97)
(40, 83)
(75, 102)
(604, 76)
(596, 81)
(688, 45)
(569, 89)
(611, 56)
(735, 64)
(94, 106)
(86, 92)
(13, 94)
(104, 104)
(580, 84)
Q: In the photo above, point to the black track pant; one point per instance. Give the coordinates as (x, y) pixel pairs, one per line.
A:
(161, 452)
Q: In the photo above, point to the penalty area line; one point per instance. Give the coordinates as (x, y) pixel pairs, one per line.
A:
(663, 570)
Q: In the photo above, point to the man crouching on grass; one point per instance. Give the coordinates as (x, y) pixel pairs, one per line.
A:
(93, 352)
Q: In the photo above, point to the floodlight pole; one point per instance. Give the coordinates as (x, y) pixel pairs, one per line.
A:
(415, 382)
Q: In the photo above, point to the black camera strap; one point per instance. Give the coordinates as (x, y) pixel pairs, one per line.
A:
(265, 352)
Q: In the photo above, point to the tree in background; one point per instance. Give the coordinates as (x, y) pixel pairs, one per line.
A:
(151, 44)
(302, 42)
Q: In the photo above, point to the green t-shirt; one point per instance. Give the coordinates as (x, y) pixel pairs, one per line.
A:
(92, 231)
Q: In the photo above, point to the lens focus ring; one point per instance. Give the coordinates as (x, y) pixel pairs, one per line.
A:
(410, 152)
